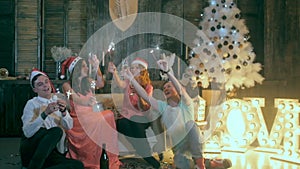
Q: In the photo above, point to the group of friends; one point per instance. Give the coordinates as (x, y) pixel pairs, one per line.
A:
(61, 132)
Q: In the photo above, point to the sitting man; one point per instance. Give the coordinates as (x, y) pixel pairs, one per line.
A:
(43, 118)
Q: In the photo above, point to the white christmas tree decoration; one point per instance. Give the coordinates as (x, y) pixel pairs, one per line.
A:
(227, 49)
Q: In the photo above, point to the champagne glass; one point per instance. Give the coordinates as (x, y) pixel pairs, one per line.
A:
(97, 106)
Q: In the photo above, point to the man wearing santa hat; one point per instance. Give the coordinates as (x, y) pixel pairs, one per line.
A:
(44, 118)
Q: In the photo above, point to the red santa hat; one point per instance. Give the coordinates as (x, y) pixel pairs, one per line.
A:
(69, 64)
(141, 62)
(36, 72)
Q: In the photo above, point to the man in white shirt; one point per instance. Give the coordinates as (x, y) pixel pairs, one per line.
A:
(44, 119)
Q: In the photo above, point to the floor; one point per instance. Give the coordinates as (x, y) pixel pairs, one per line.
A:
(10, 159)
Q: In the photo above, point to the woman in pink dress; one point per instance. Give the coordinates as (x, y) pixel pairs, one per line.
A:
(91, 129)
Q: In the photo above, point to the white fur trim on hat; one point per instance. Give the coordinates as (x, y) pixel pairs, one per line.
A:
(72, 65)
(34, 73)
(141, 62)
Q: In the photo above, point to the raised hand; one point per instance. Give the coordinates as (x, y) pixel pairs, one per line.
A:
(128, 75)
(163, 65)
(111, 67)
(52, 107)
(94, 61)
(92, 101)
(62, 105)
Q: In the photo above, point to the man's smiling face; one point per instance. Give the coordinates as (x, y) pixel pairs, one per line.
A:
(42, 86)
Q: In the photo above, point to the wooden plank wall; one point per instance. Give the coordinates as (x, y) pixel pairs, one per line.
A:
(282, 44)
(65, 26)
(77, 24)
(277, 47)
(26, 45)
(252, 11)
(7, 25)
(54, 31)
(62, 23)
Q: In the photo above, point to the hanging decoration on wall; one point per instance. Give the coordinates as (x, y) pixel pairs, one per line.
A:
(123, 12)
(60, 54)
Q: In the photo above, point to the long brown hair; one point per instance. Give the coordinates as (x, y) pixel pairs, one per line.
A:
(143, 78)
(83, 86)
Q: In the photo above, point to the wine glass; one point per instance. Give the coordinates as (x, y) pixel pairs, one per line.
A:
(97, 106)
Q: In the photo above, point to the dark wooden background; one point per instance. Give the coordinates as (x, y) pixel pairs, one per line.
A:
(29, 28)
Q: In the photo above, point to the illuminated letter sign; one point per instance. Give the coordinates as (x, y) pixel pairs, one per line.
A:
(241, 122)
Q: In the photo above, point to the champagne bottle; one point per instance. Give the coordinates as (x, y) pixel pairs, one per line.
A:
(104, 161)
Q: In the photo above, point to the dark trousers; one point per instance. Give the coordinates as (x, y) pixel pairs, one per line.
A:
(39, 151)
(136, 133)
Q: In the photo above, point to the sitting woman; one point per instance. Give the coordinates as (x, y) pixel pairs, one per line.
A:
(90, 129)
(134, 115)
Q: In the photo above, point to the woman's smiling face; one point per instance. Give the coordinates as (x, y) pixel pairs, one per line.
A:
(135, 69)
(169, 90)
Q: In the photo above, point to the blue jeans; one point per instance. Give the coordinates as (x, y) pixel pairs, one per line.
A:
(190, 146)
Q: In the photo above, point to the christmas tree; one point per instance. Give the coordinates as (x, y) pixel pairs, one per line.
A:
(223, 53)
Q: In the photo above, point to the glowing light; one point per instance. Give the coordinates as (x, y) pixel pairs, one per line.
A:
(255, 103)
(226, 107)
(241, 122)
(249, 135)
(264, 141)
(235, 104)
(289, 144)
(213, 2)
(288, 125)
(250, 117)
(220, 115)
(219, 124)
(297, 108)
(272, 142)
(281, 119)
(278, 127)
(261, 133)
(281, 106)
(289, 116)
(245, 108)
(288, 134)
(281, 151)
(244, 142)
(276, 134)
(289, 152)
(236, 128)
(252, 126)
(288, 107)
